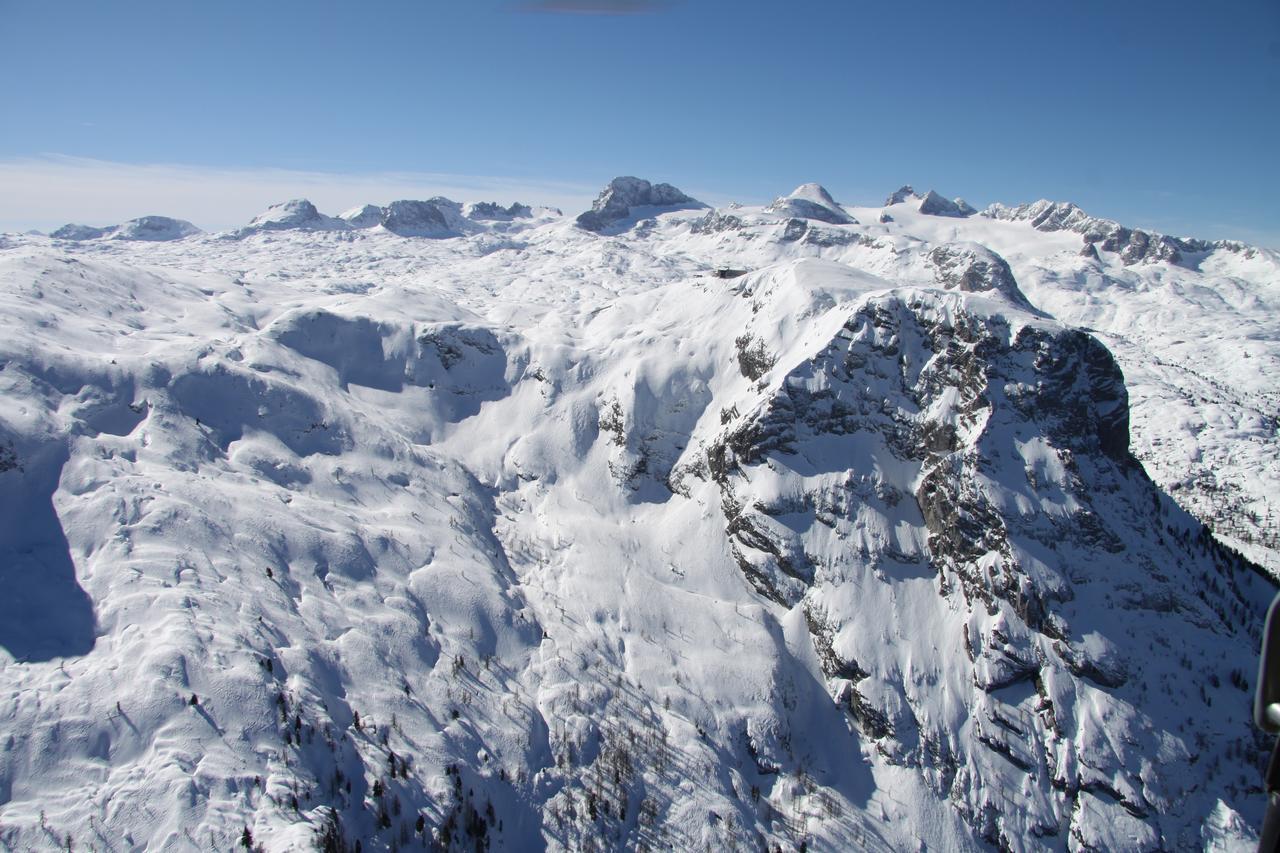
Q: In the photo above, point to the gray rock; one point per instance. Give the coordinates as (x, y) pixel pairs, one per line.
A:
(615, 202)
(415, 219)
(931, 202)
(715, 222)
(1133, 245)
(935, 205)
(492, 211)
(900, 195)
(973, 268)
(802, 231)
(435, 217)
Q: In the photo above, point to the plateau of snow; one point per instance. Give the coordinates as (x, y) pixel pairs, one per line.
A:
(464, 526)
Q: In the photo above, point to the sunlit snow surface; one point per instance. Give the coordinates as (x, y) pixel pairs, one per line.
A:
(628, 552)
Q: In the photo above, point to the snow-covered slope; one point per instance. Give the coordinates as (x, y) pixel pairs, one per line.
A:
(552, 538)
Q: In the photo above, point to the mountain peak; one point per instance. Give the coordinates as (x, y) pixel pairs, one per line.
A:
(814, 192)
(932, 202)
(363, 216)
(901, 194)
(615, 202)
(296, 214)
(811, 201)
(935, 204)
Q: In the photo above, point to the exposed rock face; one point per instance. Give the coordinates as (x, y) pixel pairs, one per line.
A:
(931, 202)
(715, 222)
(150, 228)
(812, 201)
(616, 201)
(973, 268)
(1010, 471)
(900, 195)
(935, 205)
(435, 217)
(415, 219)
(492, 211)
(803, 231)
(1133, 245)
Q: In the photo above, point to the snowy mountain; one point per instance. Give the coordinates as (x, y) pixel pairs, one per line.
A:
(297, 214)
(811, 201)
(144, 228)
(491, 526)
(930, 203)
(629, 198)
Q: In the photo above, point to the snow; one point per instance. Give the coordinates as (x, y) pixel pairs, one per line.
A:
(571, 523)
(811, 201)
(143, 228)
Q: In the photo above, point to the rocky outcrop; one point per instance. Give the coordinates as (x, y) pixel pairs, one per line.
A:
(488, 211)
(435, 217)
(1133, 245)
(716, 222)
(617, 201)
(809, 233)
(931, 203)
(935, 446)
(973, 268)
(935, 205)
(415, 219)
(900, 195)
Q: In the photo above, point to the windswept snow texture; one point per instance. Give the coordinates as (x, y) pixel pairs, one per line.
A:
(507, 532)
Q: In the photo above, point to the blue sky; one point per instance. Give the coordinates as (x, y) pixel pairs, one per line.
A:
(1164, 115)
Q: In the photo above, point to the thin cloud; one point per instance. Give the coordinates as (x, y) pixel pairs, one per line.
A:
(594, 7)
(46, 192)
